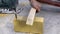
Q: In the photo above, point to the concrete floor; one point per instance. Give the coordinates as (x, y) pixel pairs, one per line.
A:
(50, 13)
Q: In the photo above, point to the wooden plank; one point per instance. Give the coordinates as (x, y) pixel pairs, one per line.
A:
(31, 16)
(20, 25)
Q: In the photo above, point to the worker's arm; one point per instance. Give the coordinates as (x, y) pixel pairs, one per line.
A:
(50, 2)
(36, 3)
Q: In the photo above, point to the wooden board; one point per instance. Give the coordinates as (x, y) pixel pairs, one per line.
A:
(20, 25)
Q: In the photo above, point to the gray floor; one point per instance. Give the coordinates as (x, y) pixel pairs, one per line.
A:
(51, 16)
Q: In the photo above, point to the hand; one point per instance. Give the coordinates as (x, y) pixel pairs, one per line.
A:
(36, 5)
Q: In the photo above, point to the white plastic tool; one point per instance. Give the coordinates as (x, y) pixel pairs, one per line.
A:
(31, 16)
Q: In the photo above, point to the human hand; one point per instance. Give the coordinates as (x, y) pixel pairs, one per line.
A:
(35, 4)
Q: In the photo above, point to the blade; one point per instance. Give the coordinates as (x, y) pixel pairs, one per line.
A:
(16, 16)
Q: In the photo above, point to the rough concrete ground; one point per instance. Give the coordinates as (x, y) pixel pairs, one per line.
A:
(50, 13)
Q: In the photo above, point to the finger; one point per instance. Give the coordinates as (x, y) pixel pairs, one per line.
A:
(37, 10)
